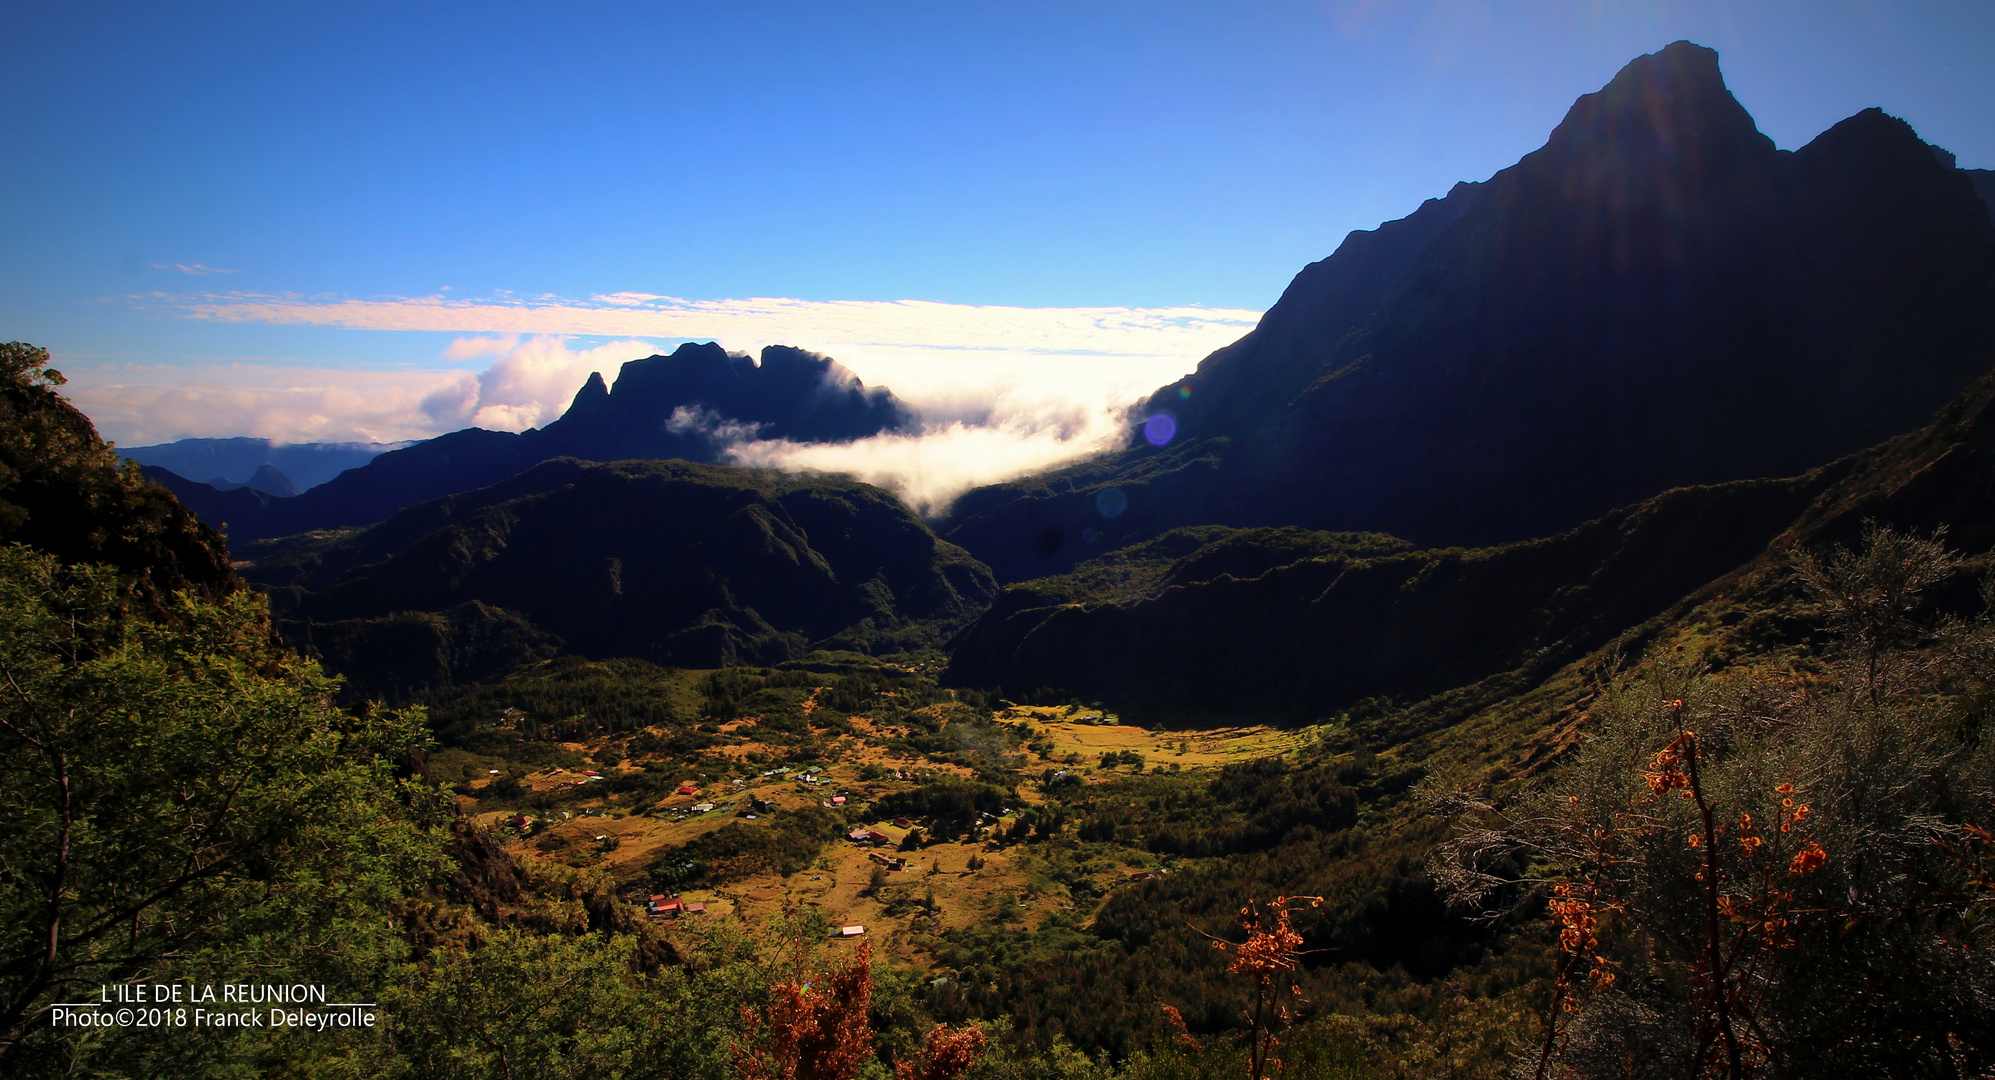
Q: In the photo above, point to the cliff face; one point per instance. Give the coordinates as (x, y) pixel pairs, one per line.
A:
(1656, 297)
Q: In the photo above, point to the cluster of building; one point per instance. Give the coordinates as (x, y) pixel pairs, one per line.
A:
(662, 906)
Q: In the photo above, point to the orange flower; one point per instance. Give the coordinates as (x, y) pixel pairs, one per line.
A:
(1808, 860)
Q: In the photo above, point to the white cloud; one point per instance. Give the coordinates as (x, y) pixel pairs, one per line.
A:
(135, 406)
(931, 468)
(192, 269)
(1001, 390)
(527, 384)
(532, 381)
(826, 325)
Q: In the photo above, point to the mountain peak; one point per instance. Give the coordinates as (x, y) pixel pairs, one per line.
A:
(592, 394)
(1667, 111)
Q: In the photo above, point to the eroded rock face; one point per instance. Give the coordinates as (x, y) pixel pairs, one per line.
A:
(1656, 297)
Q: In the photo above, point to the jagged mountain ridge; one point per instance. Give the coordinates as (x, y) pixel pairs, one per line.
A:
(687, 405)
(306, 465)
(670, 561)
(1657, 297)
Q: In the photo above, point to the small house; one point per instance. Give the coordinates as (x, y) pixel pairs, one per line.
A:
(695, 907)
(688, 789)
(851, 931)
(665, 905)
(875, 836)
(838, 800)
(702, 807)
(905, 823)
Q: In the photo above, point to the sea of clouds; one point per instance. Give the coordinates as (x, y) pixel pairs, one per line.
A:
(1000, 391)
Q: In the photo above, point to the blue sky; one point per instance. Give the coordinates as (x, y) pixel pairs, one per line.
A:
(358, 220)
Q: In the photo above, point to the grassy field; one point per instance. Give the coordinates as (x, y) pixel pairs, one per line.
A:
(962, 881)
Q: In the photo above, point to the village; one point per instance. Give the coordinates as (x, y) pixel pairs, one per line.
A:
(893, 879)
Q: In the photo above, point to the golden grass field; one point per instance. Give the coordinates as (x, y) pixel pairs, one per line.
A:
(1008, 882)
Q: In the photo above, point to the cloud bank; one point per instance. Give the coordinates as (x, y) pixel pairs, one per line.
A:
(525, 383)
(1001, 390)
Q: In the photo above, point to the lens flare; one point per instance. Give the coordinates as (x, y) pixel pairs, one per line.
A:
(1111, 502)
(1160, 429)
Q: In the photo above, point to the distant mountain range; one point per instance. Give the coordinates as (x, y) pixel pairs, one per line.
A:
(1657, 297)
(689, 405)
(240, 462)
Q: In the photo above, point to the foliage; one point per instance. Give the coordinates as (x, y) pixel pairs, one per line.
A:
(815, 1027)
(1268, 958)
(181, 800)
(28, 365)
(565, 698)
(944, 1055)
(1730, 855)
(549, 1006)
(787, 843)
(952, 805)
(63, 491)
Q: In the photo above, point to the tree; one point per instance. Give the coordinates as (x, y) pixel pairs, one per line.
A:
(1268, 958)
(28, 365)
(63, 491)
(815, 1026)
(1776, 873)
(551, 1007)
(180, 799)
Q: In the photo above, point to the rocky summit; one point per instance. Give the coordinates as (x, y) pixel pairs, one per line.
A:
(1656, 297)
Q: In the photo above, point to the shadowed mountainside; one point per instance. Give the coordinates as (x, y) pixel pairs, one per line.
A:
(668, 561)
(1657, 297)
(688, 405)
(1298, 625)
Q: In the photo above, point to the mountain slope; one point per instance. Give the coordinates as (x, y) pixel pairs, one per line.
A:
(687, 405)
(63, 491)
(1297, 625)
(679, 563)
(1657, 297)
